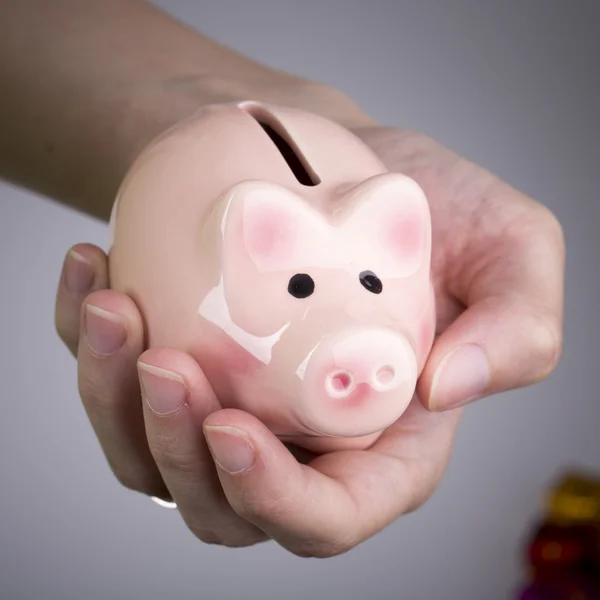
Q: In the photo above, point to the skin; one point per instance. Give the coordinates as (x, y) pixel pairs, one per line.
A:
(498, 268)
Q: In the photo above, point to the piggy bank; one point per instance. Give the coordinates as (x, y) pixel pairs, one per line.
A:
(275, 248)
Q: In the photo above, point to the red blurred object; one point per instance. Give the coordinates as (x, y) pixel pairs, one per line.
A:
(564, 546)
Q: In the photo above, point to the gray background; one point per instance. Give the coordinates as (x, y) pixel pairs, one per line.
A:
(513, 85)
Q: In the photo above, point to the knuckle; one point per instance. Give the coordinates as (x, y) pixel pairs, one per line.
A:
(324, 548)
(228, 537)
(545, 342)
(67, 330)
(138, 481)
(427, 476)
(171, 458)
(553, 226)
(130, 482)
(95, 394)
(281, 509)
(106, 393)
(255, 509)
(422, 496)
(265, 507)
(544, 226)
(68, 339)
(60, 324)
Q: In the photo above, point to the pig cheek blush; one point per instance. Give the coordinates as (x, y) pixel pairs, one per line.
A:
(275, 248)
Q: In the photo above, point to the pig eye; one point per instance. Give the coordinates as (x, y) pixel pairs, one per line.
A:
(301, 285)
(371, 282)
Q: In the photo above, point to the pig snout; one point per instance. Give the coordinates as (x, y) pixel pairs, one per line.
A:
(381, 376)
(358, 383)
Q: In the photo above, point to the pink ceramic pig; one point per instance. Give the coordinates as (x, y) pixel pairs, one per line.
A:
(273, 246)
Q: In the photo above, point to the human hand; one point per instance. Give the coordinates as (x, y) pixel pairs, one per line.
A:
(495, 252)
(498, 268)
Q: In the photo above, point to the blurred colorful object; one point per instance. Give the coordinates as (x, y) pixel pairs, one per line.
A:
(566, 588)
(563, 550)
(576, 498)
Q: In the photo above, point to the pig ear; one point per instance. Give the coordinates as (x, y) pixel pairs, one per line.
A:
(391, 224)
(278, 230)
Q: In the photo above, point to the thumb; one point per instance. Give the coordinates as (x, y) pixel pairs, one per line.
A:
(511, 280)
(497, 344)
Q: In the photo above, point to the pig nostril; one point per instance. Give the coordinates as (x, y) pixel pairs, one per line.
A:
(385, 376)
(341, 381)
(339, 384)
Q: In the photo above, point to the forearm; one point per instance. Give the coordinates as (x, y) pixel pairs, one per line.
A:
(86, 84)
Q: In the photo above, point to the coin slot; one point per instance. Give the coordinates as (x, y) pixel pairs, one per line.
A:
(288, 149)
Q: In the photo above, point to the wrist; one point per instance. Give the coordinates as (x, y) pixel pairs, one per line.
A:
(105, 79)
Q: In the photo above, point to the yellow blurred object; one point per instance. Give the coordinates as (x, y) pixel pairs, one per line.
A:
(574, 499)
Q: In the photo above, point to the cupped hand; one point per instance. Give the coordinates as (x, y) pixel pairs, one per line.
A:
(498, 262)
(498, 267)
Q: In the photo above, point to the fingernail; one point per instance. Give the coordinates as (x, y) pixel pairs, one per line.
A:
(462, 377)
(79, 274)
(105, 331)
(230, 448)
(165, 392)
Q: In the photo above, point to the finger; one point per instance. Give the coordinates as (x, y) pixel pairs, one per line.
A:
(177, 399)
(510, 335)
(340, 499)
(110, 344)
(85, 269)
